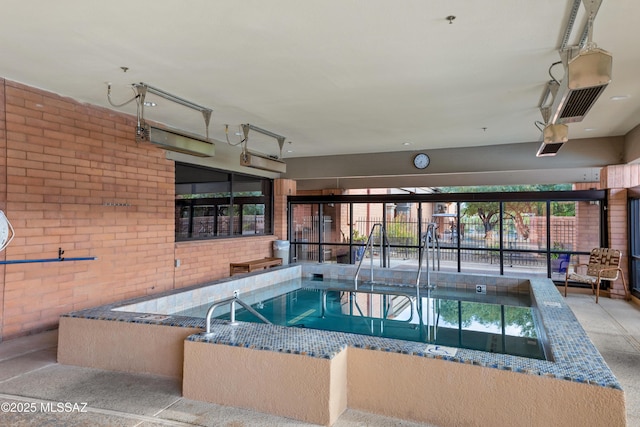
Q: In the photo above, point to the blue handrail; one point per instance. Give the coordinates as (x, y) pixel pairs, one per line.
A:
(29, 261)
(59, 259)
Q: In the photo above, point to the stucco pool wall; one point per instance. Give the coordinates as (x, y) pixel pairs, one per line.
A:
(137, 335)
(386, 376)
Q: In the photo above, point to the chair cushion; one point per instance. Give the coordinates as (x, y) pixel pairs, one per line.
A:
(582, 278)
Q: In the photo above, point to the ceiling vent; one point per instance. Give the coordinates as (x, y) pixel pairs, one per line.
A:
(553, 138)
(181, 142)
(553, 135)
(586, 77)
(549, 149)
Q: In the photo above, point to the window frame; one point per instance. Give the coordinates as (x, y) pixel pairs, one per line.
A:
(189, 174)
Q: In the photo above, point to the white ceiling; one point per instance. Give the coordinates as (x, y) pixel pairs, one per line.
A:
(332, 76)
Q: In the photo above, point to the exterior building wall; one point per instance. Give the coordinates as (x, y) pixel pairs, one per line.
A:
(618, 235)
(76, 180)
(587, 226)
(72, 177)
(617, 179)
(207, 260)
(282, 189)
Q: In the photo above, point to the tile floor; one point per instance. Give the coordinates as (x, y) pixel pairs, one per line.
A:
(31, 380)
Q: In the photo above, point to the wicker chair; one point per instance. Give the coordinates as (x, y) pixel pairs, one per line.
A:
(604, 264)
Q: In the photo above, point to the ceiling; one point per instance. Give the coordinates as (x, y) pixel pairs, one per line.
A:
(333, 77)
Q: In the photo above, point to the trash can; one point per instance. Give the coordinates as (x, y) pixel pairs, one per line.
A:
(281, 250)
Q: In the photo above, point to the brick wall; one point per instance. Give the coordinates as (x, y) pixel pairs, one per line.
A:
(620, 176)
(618, 234)
(617, 179)
(72, 176)
(209, 260)
(77, 180)
(282, 189)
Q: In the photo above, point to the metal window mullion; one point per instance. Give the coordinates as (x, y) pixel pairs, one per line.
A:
(351, 224)
(501, 237)
(548, 214)
(320, 229)
(383, 248)
(459, 241)
(419, 231)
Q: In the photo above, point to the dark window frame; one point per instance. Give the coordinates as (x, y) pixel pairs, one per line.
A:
(634, 241)
(232, 226)
(547, 197)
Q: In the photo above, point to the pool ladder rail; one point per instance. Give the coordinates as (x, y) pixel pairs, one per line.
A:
(429, 247)
(385, 252)
(232, 311)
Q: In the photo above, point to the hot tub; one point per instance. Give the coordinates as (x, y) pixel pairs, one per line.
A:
(314, 375)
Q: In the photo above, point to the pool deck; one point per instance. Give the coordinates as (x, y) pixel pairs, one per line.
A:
(29, 374)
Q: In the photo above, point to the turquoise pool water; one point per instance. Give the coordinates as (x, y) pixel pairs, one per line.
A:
(448, 317)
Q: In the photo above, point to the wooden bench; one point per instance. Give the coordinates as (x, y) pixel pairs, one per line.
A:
(256, 264)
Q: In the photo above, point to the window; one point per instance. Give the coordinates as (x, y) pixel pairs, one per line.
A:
(212, 203)
(517, 234)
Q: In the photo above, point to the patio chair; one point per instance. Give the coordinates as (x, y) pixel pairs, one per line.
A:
(604, 264)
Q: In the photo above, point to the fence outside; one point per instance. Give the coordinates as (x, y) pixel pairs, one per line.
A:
(474, 244)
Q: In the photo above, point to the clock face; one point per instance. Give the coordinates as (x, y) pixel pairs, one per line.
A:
(421, 161)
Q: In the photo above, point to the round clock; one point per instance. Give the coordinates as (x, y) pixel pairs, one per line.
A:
(421, 161)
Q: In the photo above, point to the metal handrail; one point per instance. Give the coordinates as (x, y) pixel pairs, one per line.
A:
(430, 235)
(369, 245)
(232, 301)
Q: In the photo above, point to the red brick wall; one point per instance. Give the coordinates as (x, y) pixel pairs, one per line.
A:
(617, 178)
(209, 260)
(618, 234)
(76, 179)
(282, 189)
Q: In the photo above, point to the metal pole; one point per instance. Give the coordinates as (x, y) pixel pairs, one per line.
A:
(233, 313)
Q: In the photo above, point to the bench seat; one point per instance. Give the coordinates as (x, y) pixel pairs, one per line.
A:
(256, 264)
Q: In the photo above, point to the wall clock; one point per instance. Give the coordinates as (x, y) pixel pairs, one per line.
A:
(421, 161)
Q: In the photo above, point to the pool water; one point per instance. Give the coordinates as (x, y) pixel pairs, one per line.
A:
(443, 317)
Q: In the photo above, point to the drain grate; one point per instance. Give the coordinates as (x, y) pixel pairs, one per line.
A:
(441, 350)
(152, 317)
(552, 304)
